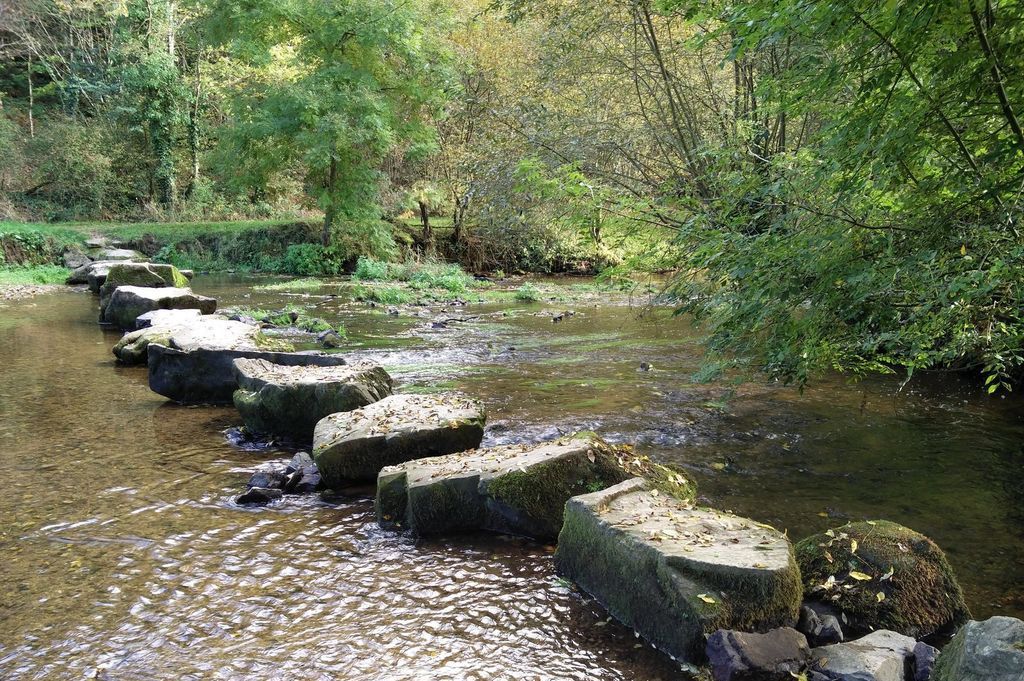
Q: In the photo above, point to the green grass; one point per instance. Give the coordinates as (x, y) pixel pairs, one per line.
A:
(34, 274)
(305, 284)
(283, 317)
(527, 293)
(384, 295)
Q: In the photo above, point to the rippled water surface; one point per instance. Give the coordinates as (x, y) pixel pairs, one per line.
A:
(124, 558)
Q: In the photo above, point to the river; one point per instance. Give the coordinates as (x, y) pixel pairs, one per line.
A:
(123, 556)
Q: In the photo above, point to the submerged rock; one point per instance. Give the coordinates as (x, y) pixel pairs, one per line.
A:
(356, 445)
(288, 401)
(880, 656)
(127, 303)
(259, 495)
(992, 650)
(515, 489)
(882, 575)
(299, 476)
(778, 655)
(675, 573)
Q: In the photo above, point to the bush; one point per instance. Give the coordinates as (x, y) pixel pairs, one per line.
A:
(370, 269)
(312, 260)
(385, 295)
(527, 293)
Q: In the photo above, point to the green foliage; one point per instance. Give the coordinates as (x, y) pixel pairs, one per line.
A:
(527, 293)
(384, 295)
(306, 284)
(33, 274)
(349, 83)
(369, 269)
(312, 260)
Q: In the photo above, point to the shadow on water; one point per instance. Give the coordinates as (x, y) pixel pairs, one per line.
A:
(124, 556)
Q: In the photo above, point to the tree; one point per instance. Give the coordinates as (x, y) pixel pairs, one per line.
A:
(343, 83)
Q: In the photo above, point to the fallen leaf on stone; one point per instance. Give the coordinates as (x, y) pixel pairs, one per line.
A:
(888, 575)
(880, 596)
(853, 546)
(706, 598)
(860, 576)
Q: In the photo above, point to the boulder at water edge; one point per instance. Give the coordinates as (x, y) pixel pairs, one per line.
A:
(288, 401)
(516, 489)
(127, 303)
(356, 445)
(196, 364)
(880, 656)
(882, 575)
(992, 650)
(675, 573)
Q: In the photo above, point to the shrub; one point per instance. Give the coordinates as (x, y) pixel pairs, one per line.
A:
(311, 260)
(371, 269)
(527, 293)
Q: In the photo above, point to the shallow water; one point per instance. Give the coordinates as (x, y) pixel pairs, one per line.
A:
(124, 558)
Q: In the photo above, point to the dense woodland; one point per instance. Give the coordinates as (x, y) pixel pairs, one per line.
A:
(835, 184)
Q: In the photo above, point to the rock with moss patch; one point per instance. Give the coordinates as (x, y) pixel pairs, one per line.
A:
(882, 575)
(356, 445)
(515, 489)
(150, 275)
(155, 327)
(288, 401)
(880, 656)
(92, 273)
(992, 650)
(676, 573)
(127, 303)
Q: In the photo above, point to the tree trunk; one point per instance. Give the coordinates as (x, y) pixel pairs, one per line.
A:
(329, 211)
(428, 236)
(31, 102)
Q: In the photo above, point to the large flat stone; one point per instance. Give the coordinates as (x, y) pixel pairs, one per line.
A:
(288, 401)
(356, 445)
(676, 573)
(97, 270)
(196, 373)
(127, 303)
(517, 489)
(880, 656)
(152, 275)
(184, 329)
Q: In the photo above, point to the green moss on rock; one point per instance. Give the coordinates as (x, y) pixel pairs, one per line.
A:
(882, 575)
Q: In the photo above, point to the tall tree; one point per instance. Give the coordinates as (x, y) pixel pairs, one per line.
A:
(344, 82)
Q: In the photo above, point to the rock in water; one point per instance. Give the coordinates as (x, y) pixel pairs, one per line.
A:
(880, 656)
(820, 630)
(92, 273)
(194, 372)
(675, 573)
(150, 275)
(992, 650)
(127, 303)
(259, 495)
(882, 575)
(779, 655)
(356, 445)
(288, 401)
(516, 489)
(175, 328)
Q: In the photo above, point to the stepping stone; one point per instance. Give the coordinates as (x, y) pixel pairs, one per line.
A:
(517, 489)
(183, 328)
(127, 303)
(147, 274)
(98, 270)
(356, 445)
(196, 363)
(288, 401)
(675, 573)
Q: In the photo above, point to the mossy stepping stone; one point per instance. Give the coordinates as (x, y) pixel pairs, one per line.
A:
(676, 573)
(515, 489)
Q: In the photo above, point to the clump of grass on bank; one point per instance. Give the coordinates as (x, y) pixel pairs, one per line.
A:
(305, 284)
(527, 293)
(418, 275)
(384, 295)
(33, 274)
